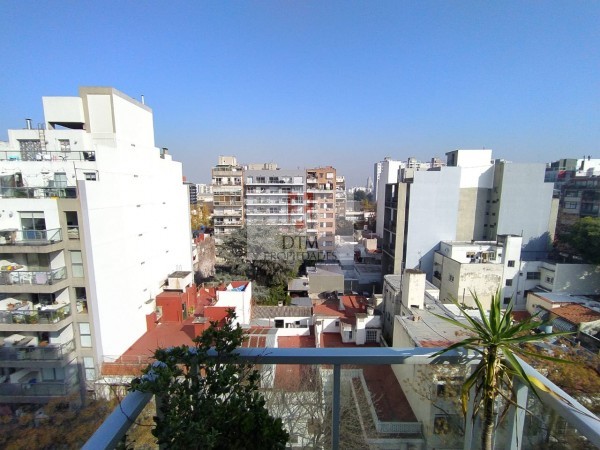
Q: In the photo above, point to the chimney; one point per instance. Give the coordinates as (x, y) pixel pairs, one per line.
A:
(413, 289)
(28, 123)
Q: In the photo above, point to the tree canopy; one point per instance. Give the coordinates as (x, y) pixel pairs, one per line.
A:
(210, 402)
(584, 239)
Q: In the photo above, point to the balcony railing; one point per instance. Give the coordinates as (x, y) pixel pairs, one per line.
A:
(33, 317)
(42, 277)
(114, 428)
(30, 237)
(33, 388)
(38, 192)
(18, 155)
(49, 352)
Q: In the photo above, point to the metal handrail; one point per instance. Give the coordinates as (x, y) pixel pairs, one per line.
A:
(114, 428)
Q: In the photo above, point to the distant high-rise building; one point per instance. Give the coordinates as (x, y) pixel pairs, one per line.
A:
(275, 198)
(228, 195)
(473, 198)
(340, 196)
(321, 190)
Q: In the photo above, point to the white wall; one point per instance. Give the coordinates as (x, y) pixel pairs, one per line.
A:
(63, 109)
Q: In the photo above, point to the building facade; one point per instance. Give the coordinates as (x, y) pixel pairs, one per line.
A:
(472, 198)
(93, 219)
(275, 198)
(228, 196)
(321, 190)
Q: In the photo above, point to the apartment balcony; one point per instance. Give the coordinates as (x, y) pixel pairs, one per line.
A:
(21, 276)
(24, 316)
(228, 203)
(516, 430)
(24, 353)
(226, 173)
(260, 201)
(38, 192)
(274, 192)
(47, 156)
(26, 387)
(32, 238)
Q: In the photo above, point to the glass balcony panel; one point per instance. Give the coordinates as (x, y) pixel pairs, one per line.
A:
(325, 403)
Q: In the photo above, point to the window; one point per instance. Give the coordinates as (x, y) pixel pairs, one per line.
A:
(549, 279)
(57, 374)
(511, 263)
(85, 335)
(371, 335)
(570, 205)
(90, 371)
(65, 145)
(506, 300)
(60, 180)
(337, 322)
(76, 263)
(509, 282)
(450, 277)
(72, 224)
(32, 223)
(533, 275)
(90, 176)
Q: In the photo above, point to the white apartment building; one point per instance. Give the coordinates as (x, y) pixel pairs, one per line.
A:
(472, 198)
(275, 198)
(93, 219)
(228, 193)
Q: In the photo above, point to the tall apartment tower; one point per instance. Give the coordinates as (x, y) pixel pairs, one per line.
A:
(472, 198)
(387, 172)
(340, 196)
(228, 193)
(93, 219)
(321, 188)
(275, 198)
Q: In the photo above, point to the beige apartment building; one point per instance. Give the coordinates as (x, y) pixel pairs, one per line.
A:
(321, 206)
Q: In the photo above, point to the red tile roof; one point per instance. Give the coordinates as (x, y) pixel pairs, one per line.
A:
(576, 314)
(295, 377)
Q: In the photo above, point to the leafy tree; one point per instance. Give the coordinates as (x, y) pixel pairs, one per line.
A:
(584, 239)
(343, 227)
(360, 195)
(259, 256)
(498, 341)
(210, 402)
(59, 421)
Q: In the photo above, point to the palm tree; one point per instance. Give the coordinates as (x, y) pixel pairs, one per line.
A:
(497, 339)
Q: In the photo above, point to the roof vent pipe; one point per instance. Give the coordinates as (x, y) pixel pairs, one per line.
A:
(143, 102)
(28, 122)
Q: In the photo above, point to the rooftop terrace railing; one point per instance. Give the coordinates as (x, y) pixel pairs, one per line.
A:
(114, 428)
(45, 156)
(38, 192)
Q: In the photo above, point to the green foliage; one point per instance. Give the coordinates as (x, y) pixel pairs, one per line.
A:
(210, 401)
(64, 424)
(584, 239)
(248, 255)
(499, 341)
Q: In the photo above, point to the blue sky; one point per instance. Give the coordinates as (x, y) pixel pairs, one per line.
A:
(306, 83)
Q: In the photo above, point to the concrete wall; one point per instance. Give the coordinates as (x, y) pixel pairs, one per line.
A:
(433, 215)
(524, 206)
(572, 278)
